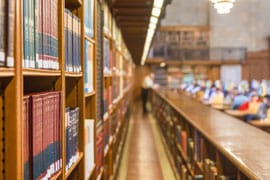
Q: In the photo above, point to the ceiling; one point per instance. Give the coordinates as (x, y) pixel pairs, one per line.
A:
(132, 16)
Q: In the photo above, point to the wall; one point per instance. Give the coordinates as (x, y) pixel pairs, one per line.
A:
(247, 25)
(181, 12)
(257, 66)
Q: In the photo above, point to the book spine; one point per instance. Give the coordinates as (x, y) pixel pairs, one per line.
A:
(73, 44)
(66, 39)
(26, 136)
(56, 35)
(90, 69)
(86, 71)
(39, 59)
(10, 32)
(30, 30)
(2, 32)
(79, 45)
(67, 135)
(74, 34)
(37, 134)
(70, 41)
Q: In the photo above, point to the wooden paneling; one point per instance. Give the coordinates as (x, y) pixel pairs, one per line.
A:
(257, 66)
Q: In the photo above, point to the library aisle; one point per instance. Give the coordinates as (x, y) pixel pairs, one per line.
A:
(144, 155)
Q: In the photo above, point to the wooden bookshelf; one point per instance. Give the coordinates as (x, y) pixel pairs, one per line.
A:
(72, 74)
(16, 82)
(41, 72)
(56, 176)
(71, 169)
(90, 94)
(7, 72)
(219, 147)
(91, 173)
(73, 4)
(91, 40)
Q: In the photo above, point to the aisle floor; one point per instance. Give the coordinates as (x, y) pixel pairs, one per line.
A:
(144, 156)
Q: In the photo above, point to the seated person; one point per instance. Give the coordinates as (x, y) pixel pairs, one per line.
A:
(208, 92)
(253, 107)
(263, 109)
(239, 99)
(217, 97)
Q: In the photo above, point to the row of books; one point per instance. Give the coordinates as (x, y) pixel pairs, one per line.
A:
(88, 67)
(115, 87)
(99, 152)
(42, 135)
(192, 145)
(89, 17)
(7, 20)
(72, 42)
(40, 34)
(106, 56)
(89, 155)
(72, 139)
(107, 98)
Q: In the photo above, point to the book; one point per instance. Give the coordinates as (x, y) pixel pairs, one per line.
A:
(40, 34)
(89, 146)
(72, 42)
(10, 33)
(106, 55)
(2, 32)
(42, 138)
(99, 152)
(88, 67)
(26, 137)
(89, 18)
(72, 139)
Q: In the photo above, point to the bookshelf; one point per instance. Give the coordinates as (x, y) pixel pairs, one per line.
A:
(203, 146)
(64, 74)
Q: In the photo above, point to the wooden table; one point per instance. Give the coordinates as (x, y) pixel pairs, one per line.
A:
(263, 124)
(221, 107)
(237, 113)
(247, 147)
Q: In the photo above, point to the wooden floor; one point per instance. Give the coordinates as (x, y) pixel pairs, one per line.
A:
(144, 153)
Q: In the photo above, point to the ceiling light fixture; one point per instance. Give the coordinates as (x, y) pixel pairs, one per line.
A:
(223, 6)
(156, 11)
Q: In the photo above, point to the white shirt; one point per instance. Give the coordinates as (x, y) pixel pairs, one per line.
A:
(147, 82)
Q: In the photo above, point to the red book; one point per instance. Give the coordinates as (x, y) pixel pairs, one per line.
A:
(26, 136)
(36, 125)
(184, 141)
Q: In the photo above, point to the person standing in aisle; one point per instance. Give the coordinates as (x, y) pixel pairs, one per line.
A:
(147, 84)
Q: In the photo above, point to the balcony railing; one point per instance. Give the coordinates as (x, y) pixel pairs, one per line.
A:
(220, 53)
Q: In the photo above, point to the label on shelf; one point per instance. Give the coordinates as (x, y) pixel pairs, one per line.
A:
(10, 62)
(2, 56)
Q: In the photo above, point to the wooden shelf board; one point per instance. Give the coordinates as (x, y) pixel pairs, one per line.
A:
(105, 116)
(73, 3)
(108, 36)
(92, 171)
(106, 150)
(99, 128)
(108, 75)
(7, 72)
(41, 72)
(91, 40)
(71, 169)
(185, 158)
(56, 176)
(111, 140)
(199, 165)
(92, 93)
(73, 74)
(100, 174)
